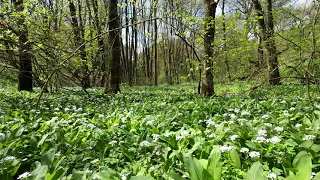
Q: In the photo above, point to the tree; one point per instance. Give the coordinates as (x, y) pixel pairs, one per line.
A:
(113, 86)
(207, 88)
(266, 26)
(25, 51)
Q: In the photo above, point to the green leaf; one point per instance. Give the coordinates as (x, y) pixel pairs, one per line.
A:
(107, 175)
(291, 176)
(57, 174)
(39, 173)
(141, 178)
(255, 172)
(303, 163)
(214, 164)
(234, 155)
(78, 175)
(193, 166)
(48, 157)
(175, 176)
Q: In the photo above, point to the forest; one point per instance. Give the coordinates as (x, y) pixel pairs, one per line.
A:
(159, 89)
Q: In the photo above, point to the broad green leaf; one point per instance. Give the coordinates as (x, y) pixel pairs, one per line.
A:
(175, 176)
(39, 173)
(48, 157)
(255, 172)
(193, 166)
(106, 175)
(234, 155)
(214, 164)
(303, 163)
(57, 174)
(78, 175)
(141, 178)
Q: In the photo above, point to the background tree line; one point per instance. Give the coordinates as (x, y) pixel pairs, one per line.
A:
(91, 43)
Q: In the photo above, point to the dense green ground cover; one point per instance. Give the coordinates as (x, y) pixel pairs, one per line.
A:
(160, 133)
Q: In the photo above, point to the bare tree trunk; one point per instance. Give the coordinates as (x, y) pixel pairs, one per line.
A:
(155, 45)
(207, 88)
(114, 40)
(274, 74)
(25, 54)
(226, 61)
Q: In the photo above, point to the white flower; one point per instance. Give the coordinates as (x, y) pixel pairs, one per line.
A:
(210, 122)
(278, 129)
(8, 158)
(298, 125)
(283, 101)
(212, 135)
(259, 139)
(272, 176)
(254, 154)
(274, 140)
(155, 137)
(2, 136)
(286, 113)
(226, 148)
(225, 115)
(236, 110)
(113, 142)
(292, 109)
(234, 137)
(207, 131)
(167, 134)
(88, 171)
(232, 116)
(124, 176)
(174, 123)
(24, 175)
(309, 137)
(182, 135)
(313, 174)
(150, 122)
(266, 116)
(244, 113)
(262, 132)
(243, 150)
(268, 124)
(145, 144)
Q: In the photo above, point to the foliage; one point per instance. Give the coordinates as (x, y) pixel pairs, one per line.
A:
(158, 133)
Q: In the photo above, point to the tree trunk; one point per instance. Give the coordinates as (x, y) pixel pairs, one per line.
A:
(25, 54)
(207, 88)
(114, 40)
(155, 45)
(274, 74)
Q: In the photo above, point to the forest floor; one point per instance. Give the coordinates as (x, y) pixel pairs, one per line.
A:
(161, 133)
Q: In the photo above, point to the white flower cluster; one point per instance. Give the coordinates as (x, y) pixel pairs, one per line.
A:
(272, 176)
(278, 129)
(145, 144)
(113, 142)
(254, 154)
(259, 139)
(150, 122)
(124, 176)
(225, 148)
(182, 135)
(155, 137)
(7, 159)
(24, 175)
(298, 125)
(309, 137)
(313, 174)
(274, 140)
(234, 137)
(262, 132)
(266, 116)
(245, 113)
(244, 150)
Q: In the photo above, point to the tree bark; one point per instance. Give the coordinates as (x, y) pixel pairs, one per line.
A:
(114, 40)
(274, 74)
(25, 54)
(207, 88)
